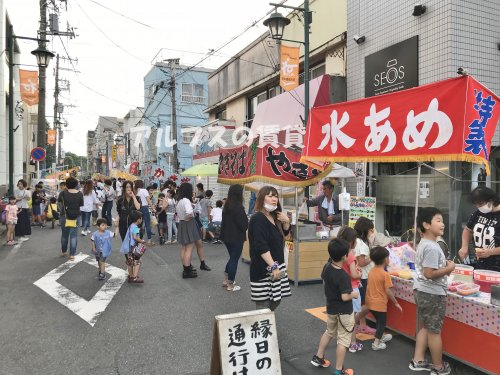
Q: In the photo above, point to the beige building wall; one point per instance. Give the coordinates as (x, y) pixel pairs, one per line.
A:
(329, 19)
(236, 110)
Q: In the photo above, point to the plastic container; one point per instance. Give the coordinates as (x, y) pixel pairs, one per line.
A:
(467, 289)
(485, 279)
(463, 273)
(452, 287)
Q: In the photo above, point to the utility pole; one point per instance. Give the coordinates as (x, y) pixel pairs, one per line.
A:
(57, 123)
(107, 158)
(41, 136)
(172, 64)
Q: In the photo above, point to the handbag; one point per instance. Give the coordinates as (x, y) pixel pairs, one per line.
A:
(154, 220)
(137, 250)
(68, 223)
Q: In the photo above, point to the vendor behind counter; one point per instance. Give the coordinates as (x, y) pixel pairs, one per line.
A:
(328, 205)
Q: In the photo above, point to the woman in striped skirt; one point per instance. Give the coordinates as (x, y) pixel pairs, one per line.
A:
(266, 234)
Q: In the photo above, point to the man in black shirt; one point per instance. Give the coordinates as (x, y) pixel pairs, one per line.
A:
(339, 296)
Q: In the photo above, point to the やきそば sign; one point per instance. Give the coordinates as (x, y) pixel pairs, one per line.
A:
(245, 343)
(451, 120)
(273, 164)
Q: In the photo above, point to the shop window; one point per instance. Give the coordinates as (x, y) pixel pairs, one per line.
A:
(187, 136)
(314, 72)
(192, 93)
(402, 169)
(221, 115)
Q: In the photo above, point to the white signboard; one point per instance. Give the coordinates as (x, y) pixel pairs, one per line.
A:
(245, 343)
(424, 189)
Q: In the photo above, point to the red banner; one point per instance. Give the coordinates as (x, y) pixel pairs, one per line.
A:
(274, 164)
(451, 120)
(29, 86)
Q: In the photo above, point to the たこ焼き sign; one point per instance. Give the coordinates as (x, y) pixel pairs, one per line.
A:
(245, 343)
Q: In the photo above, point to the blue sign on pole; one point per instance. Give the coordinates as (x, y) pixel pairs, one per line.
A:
(38, 154)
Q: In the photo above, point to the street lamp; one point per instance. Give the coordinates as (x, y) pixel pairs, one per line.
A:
(43, 57)
(277, 23)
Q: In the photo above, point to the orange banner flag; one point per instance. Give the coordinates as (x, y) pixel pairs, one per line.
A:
(289, 67)
(29, 86)
(51, 136)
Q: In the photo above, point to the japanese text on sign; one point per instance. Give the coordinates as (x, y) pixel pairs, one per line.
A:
(248, 343)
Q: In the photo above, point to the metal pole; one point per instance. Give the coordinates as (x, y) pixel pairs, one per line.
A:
(307, 22)
(41, 138)
(296, 242)
(107, 158)
(417, 196)
(57, 125)
(173, 63)
(10, 41)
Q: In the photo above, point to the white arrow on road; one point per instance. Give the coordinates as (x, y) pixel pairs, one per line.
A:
(87, 310)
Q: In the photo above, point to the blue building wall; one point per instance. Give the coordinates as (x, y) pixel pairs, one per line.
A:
(189, 108)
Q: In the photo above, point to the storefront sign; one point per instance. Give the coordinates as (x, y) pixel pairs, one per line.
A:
(362, 206)
(392, 69)
(451, 120)
(245, 343)
(278, 165)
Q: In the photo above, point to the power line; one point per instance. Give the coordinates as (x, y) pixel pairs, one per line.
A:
(123, 15)
(108, 38)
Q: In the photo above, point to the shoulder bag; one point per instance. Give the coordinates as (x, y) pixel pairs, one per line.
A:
(68, 223)
(137, 250)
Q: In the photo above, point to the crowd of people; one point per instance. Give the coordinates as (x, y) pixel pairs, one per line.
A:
(355, 278)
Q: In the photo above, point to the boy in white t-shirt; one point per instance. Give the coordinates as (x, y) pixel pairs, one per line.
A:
(215, 222)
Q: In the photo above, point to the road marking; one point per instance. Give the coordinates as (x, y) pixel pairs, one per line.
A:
(87, 310)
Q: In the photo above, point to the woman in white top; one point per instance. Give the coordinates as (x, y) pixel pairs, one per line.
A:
(188, 232)
(146, 205)
(89, 200)
(109, 194)
(23, 226)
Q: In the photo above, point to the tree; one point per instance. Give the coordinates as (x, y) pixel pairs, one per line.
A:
(73, 160)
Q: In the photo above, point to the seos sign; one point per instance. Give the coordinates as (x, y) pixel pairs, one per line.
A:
(392, 69)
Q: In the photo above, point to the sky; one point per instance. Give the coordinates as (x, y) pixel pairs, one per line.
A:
(118, 41)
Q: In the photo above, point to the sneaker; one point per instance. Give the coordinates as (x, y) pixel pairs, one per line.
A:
(233, 288)
(353, 348)
(344, 371)
(173, 241)
(385, 338)
(84, 232)
(71, 257)
(205, 267)
(444, 370)
(89, 231)
(380, 346)
(24, 238)
(189, 274)
(320, 362)
(64, 253)
(367, 330)
(102, 276)
(420, 365)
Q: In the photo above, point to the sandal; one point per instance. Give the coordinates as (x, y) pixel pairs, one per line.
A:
(233, 288)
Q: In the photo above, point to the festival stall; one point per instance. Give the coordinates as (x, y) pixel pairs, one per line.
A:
(451, 120)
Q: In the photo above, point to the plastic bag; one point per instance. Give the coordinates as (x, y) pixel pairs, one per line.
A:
(303, 213)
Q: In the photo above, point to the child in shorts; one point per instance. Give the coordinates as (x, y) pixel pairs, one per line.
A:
(131, 239)
(11, 219)
(101, 244)
(354, 272)
(378, 293)
(340, 316)
(430, 289)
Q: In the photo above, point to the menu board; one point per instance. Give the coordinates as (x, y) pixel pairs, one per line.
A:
(362, 206)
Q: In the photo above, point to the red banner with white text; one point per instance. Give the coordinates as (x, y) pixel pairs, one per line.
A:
(274, 164)
(451, 120)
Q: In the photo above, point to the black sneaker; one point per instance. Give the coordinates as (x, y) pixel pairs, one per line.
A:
(204, 267)
(102, 276)
(320, 362)
(444, 370)
(420, 365)
(189, 274)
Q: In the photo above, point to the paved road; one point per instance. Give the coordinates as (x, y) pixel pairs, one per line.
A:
(161, 327)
